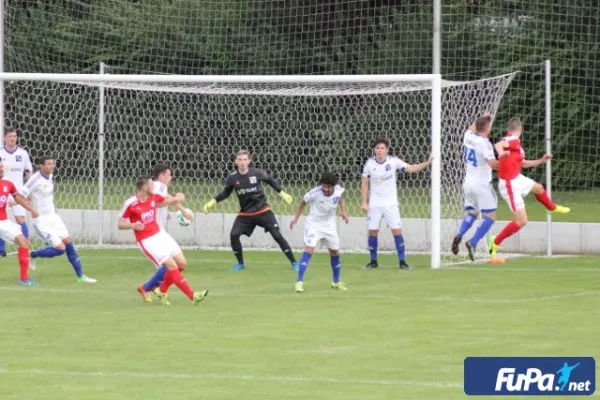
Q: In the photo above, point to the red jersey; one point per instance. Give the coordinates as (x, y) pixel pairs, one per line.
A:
(510, 166)
(145, 212)
(6, 188)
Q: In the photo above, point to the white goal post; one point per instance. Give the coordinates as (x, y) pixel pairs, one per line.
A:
(105, 129)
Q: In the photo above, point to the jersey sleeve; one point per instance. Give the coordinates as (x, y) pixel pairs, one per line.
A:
(309, 197)
(30, 186)
(159, 198)
(161, 189)
(400, 165)
(487, 150)
(125, 211)
(28, 165)
(366, 170)
(12, 189)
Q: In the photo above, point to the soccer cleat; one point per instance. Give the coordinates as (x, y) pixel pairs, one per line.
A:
(470, 249)
(27, 282)
(2, 254)
(86, 279)
(32, 265)
(238, 267)
(296, 266)
(455, 244)
(493, 248)
(339, 286)
(199, 296)
(371, 264)
(560, 210)
(163, 297)
(145, 295)
(404, 265)
(299, 287)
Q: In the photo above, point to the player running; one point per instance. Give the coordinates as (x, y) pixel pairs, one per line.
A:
(139, 213)
(379, 185)
(254, 209)
(479, 193)
(9, 231)
(163, 174)
(321, 226)
(17, 163)
(49, 226)
(514, 186)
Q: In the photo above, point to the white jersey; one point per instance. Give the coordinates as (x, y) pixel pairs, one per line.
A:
(162, 212)
(41, 191)
(322, 214)
(16, 164)
(382, 180)
(477, 151)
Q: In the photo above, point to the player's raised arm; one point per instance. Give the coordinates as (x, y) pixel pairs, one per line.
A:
(538, 162)
(22, 201)
(269, 180)
(227, 190)
(412, 168)
(172, 200)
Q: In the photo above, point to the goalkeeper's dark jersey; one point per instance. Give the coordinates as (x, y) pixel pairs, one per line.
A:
(249, 190)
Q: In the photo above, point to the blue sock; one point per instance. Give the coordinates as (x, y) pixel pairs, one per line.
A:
(304, 260)
(2, 245)
(466, 224)
(48, 252)
(373, 247)
(483, 229)
(399, 241)
(25, 230)
(74, 259)
(156, 279)
(336, 268)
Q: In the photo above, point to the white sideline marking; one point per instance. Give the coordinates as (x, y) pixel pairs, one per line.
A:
(272, 378)
(435, 299)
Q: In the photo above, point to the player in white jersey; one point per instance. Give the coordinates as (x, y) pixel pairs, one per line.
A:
(17, 164)
(379, 186)
(321, 226)
(479, 194)
(49, 226)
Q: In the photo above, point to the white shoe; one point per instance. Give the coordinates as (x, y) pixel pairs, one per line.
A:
(86, 279)
(32, 264)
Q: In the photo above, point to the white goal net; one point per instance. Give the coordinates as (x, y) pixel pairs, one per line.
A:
(105, 134)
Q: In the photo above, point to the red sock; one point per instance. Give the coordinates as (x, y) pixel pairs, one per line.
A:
(166, 283)
(507, 232)
(545, 200)
(23, 257)
(180, 281)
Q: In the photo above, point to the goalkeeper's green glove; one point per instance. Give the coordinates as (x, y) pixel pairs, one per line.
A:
(209, 205)
(286, 197)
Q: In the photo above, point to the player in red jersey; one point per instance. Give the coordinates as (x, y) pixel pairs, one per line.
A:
(10, 231)
(139, 213)
(514, 186)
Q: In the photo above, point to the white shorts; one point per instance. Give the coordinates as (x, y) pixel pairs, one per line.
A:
(313, 236)
(480, 197)
(51, 229)
(9, 230)
(159, 247)
(391, 215)
(514, 190)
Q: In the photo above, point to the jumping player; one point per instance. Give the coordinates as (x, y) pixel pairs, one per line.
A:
(254, 209)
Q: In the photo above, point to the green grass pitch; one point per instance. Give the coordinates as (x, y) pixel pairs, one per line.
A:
(394, 335)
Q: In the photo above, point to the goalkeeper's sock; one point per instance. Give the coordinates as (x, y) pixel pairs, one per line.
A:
(510, 229)
(545, 200)
(74, 260)
(23, 256)
(156, 279)
(48, 252)
(482, 230)
(466, 224)
(336, 268)
(25, 230)
(399, 241)
(180, 281)
(236, 246)
(373, 245)
(304, 260)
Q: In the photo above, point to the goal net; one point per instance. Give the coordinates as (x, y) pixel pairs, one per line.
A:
(107, 132)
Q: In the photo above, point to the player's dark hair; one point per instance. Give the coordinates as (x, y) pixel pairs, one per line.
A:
(42, 160)
(514, 124)
(142, 181)
(161, 169)
(327, 178)
(9, 130)
(482, 123)
(382, 140)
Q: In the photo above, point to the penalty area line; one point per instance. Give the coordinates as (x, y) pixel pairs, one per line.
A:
(247, 377)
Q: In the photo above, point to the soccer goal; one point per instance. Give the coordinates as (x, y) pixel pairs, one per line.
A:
(105, 130)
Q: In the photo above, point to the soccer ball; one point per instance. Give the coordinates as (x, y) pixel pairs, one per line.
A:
(183, 221)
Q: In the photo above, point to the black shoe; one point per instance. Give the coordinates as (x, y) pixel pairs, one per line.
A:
(470, 249)
(371, 264)
(455, 244)
(2, 254)
(404, 265)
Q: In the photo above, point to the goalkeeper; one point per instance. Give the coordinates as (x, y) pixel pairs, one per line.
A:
(254, 209)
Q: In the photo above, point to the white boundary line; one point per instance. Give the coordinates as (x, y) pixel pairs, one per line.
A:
(271, 378)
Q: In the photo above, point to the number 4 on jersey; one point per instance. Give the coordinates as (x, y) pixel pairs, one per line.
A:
(470, 156)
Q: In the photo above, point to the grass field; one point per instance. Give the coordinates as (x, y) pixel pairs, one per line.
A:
(394, 335)
(415, 203)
